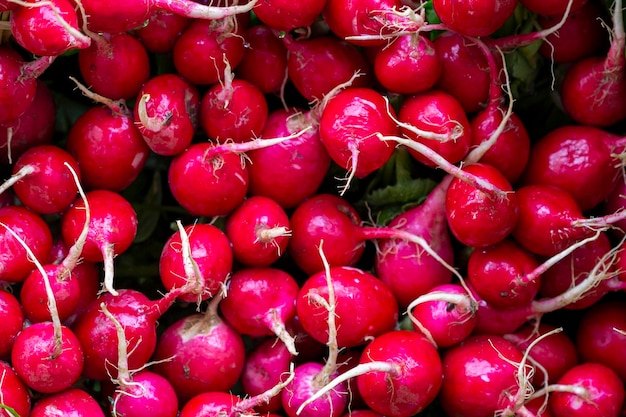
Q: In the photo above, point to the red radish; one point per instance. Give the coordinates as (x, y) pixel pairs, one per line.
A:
(309, 349)
(31, 228)
(12, 318)
(14, 394)
(34, 127)
(445, 315)
(166, 113)
(234, 109)
(107, 17)
(259, 231)
(593, 88)
(203, 51)
(265, 51)
(552, 8)
(472, 19)
(348, 126)
(363, 413)
(286, 15)
(260, 301)
(101, 65)
(112, 229)
(409, 65)
(615, 202)
(47, 28)
(72, 402)
(207, 186)
(317, 65)
(599, 335)
(161, 31)
(602, 396)
(195, 343)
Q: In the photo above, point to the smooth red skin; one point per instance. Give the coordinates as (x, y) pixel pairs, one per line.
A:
(176, 100)
(257, 297)
(210, 249)
(597, 338)
(556, 353)
(152, 395)
(592, 92)
(353, 117)
(36, 363)
(113, 221)
(195, 344)
(576, 159)
(87, 274)
(419, 379)
(209, 404)
(492, 321)
(362, 413)
(476, 218)
(34, 127)
(498, 274)
(439, 112)
(329, 218)
(38, 30)
(98, 336)
(237, 112)
(448, 324)
(34, 231)
(365, 307)
(554, 8)
(304, 386)
(13, 391)
(605, 388)
(51, 188)
(476, 375)
(409, 65)
(309, 349)
(73, 402)
(199, 50)
(34, 298)
(287, 15)
(291, 171)
(614, 202)
(409, 276)
(546, 213)
(474, 18)
(351, 18)
(463, 72)
(16, 94)
(316, 66)
(539, 407)
(109, 148)
(116, 66)
(574, 268)
(208, 187)
(265, 50)
(160, 33)
(510, 153)
(581, 36)
(12, 319)
(245, 225)
(265, 367)
(5, 6)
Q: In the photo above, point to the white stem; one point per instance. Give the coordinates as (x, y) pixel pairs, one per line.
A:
(23, 172)
(76, 249)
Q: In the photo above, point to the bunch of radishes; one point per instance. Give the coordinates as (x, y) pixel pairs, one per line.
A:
(317, 208)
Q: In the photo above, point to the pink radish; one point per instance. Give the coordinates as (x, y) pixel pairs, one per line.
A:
(285, 15)
(265, 51)
(471, 19)
(73, 402)
(12, 317)
(160, 33)
(14, 395)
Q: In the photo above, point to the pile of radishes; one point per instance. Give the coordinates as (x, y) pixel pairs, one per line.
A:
(315, 208)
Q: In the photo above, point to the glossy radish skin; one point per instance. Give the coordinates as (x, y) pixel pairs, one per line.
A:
(160, 33)
(101, 66)
(12, 318)
(265, 51)
(604, 392)
(13, 392)
(365, 307)
(73, 402)
(207, 187)
(15, 96)
(415, 381)
(209, 404)
(39, 364)
(34, 298)
(286, 15)
(474, 19)
(149, 394)
(476, 218)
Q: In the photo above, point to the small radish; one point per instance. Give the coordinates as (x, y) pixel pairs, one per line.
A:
(14, 395)
(12, 318)
(285, 15)
(260, 301)
(470, 19)
(160, 33)
(73, 402)
(265, 50)
(258, 230)
(166, 113)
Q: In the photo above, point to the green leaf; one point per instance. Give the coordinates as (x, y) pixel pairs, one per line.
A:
(10, 410)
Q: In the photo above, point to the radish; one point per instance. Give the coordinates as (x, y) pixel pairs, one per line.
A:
(552, 8)
(470, 19)
(48, 28)
(73, 402)
(14, 395)
(12, 317)
(285, 15)
(195, 343)
(166, 113)
(107, 17)
(112, 229)
(160, 33)
(593, 87)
